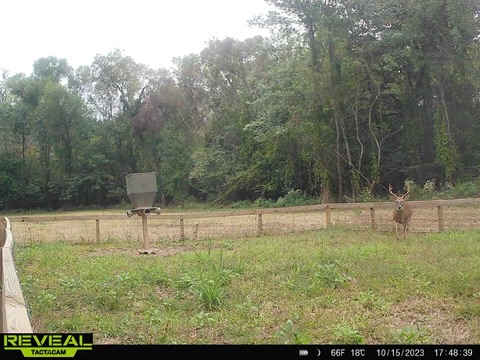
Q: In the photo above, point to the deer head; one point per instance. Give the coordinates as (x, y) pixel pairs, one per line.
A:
(402, 213)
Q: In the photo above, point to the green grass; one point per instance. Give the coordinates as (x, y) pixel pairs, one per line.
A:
(327, 287)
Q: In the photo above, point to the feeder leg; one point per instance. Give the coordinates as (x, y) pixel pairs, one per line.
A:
(146, 242)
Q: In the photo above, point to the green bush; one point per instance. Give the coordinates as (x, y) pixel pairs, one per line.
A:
(264, 203)
(242, 204)
(466, 190)
(292, 198)
(365, 196)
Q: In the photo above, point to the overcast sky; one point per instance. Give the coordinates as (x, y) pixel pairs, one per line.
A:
(152, 32)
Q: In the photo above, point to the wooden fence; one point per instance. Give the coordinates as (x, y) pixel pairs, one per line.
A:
(428, 216)
(14, 313)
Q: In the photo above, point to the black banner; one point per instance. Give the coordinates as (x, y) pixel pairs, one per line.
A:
(267, 351)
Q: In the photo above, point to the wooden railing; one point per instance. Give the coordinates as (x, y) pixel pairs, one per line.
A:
(14, 314)
(428, 216)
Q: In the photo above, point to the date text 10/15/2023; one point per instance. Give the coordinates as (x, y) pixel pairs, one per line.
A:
(402, 351)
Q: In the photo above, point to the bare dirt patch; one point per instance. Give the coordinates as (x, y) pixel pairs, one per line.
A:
(431, 316)
(144, 252)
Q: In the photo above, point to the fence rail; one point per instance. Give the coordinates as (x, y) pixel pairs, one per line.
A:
(14, 312)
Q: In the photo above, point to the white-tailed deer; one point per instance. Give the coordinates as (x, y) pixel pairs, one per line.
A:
(402, 213)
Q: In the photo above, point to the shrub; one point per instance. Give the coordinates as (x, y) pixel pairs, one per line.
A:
(264, 203)
(292, 198)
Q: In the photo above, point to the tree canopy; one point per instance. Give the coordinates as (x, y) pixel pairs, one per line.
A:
(343, 98)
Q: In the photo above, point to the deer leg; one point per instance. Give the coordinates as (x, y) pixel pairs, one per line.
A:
(407, 227)
(396, 229)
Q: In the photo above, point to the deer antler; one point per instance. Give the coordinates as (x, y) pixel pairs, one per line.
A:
(390, 190)
(408, 191)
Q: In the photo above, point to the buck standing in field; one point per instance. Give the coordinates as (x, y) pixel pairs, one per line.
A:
(402, 213)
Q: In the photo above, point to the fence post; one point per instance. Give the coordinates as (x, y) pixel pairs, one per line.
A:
(3, 232)
(259, 224)
(372, 218)
(328, 216)
(441, 222)
(97, 231)
(182, 229)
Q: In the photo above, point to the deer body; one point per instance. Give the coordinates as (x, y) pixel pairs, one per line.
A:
(402, 213)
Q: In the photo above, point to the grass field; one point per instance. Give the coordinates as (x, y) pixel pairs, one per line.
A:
(322, 287)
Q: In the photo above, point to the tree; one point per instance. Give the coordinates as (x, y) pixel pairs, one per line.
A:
(64, 116)
(52, 68)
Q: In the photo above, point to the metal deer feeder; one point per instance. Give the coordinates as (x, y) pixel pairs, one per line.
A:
(141, 190)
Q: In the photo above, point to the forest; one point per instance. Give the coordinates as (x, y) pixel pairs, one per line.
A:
(342, 98)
